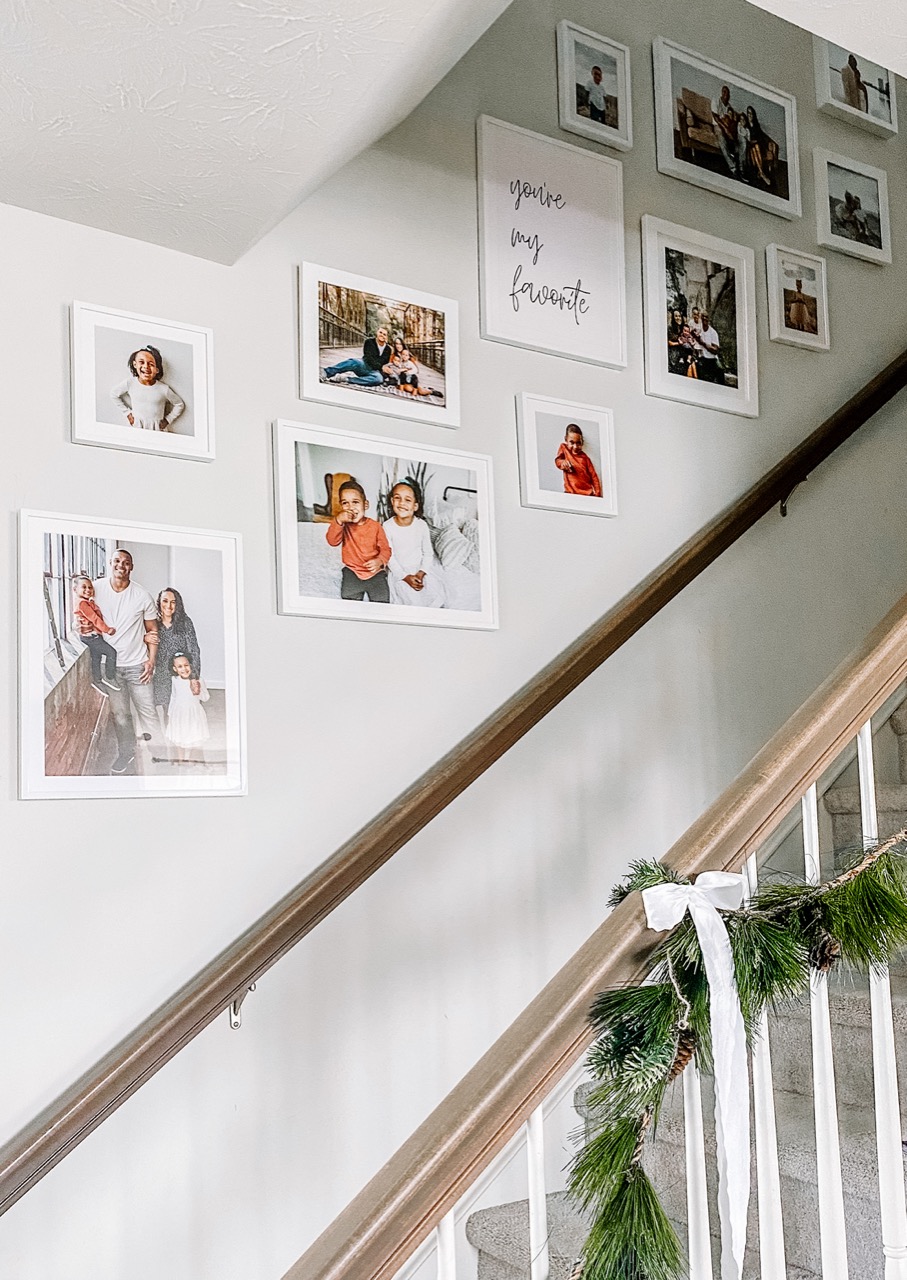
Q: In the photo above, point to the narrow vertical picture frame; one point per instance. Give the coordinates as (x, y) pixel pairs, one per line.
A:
(142, 384)
(852, 88)
(384, 348)
(593, 77)
(551, 245)
(852, 207)
(566, 453)
(797, 298)
(699, 301)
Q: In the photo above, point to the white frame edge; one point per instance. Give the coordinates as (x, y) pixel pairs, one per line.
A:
(777, 330)
(531, 492)
(840, 110)
(822, 157)
(569, 121)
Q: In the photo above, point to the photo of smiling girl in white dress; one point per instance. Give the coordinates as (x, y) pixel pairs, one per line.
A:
(145, 399)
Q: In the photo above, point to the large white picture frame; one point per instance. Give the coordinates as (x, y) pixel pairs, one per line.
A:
(683, 271)
(99, 723)
(854, 89)
(797, 298)
(551, 245)
(424, 548)
(341, 317)
(852, 207)
(566, 456)
(589, 67)
(718, 154)
(176, 417)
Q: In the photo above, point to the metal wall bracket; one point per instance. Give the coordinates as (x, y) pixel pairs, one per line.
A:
(235, 1010)
(786, 499)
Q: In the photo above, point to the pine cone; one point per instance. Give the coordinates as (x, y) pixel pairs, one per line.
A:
(686, 1047)
(825, 953)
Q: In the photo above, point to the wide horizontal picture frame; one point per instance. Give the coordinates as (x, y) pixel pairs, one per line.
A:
(616, 74)
(102, 341)
(339, 312)
(543, 424)
(72, 727)
(835, 174)
(319, 469)
(738, 265)
(687, 137)
(878, 113)
(551, 245)
(791, 319)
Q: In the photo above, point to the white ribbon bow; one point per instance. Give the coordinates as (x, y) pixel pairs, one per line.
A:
(666, 905)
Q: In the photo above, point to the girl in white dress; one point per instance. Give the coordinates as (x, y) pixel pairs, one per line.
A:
(187, 724)
(414, 574)
(145, 398)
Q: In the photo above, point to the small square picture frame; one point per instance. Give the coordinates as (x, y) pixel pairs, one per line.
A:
(553, 475)
(797, 303)
(844, 91)
(104, 345)
(664, 243)
(852, 196)
(579, 53)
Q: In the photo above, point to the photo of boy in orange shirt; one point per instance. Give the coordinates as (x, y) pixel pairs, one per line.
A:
(364, 548)
(577, 468)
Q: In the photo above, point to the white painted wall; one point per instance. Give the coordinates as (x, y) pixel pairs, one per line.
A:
(230, 1162)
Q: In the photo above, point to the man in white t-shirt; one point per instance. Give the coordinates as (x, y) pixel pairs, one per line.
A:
(131, 610)
(708, 347)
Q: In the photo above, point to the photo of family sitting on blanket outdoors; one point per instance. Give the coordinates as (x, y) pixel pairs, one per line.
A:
(701, 335)
(379, 530)
(380, 345)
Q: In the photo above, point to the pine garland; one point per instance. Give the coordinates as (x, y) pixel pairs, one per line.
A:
(646, 1035)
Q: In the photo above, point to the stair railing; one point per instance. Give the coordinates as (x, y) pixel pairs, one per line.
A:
(61, 1126)
(420, 1190)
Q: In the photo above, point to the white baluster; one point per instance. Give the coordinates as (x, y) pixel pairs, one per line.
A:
(832, 1233)
(772, 1262)
(698, 1233)
(884, 1068)
(447, 1247)
(538, 1203)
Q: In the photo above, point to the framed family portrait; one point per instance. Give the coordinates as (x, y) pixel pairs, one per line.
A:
(566, 456)
(593, 77)
(852, 207)
(130, 660)
(725, 131)
(551, 245)
(371, 345)
(699, 299)
(382, 531)
(797, 298)
(142, 384)
(854, 89)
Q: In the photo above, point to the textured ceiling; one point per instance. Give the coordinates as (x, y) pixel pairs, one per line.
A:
(198, 124)
(877, 29)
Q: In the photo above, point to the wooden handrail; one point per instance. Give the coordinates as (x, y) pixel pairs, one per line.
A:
(377, 1232)
(31, 1153)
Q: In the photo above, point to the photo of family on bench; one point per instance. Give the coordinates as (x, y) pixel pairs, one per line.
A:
(736, 135)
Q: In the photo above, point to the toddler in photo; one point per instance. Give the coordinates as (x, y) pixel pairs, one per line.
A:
(187, 724)
(92, 629)
(364, 548)
(580, 476)
(415, 575)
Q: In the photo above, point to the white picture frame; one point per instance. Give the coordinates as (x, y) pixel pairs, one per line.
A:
(839, 182)
(691, 146)
(842, 83)
(551, 245)
(669, 252)
(579, 51)
(104, 342)
(85, 734)
(797, 298)
(340, 315)
(455, 552)
(546, 436)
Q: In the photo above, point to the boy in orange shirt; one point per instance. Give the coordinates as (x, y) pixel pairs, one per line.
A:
(365, 550)
(580, 476)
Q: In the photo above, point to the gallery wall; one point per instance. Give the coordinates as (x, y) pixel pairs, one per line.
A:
(232, 1159)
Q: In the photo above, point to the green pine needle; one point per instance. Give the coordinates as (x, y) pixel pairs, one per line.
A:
(632, 1238)
(605, 1157)
(643, 874)
(634, 1019)
(771, 963)
(868, 914)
